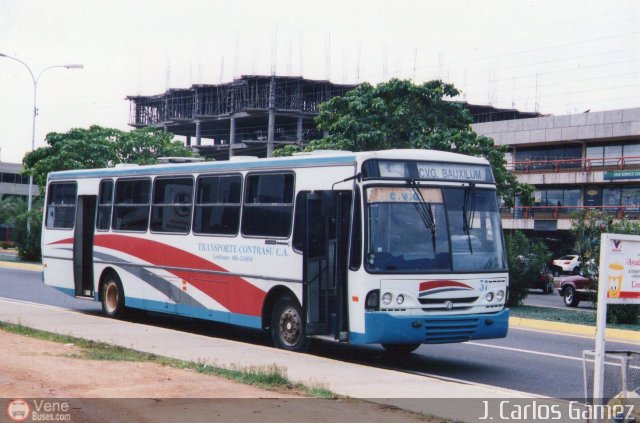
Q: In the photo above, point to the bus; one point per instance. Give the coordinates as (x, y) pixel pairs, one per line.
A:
(396, 247)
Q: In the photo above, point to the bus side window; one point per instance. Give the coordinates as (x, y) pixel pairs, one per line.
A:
(172, 205)
(268, 205)
(105, 199)
(218, 205)
(61, 205)
(131, 205)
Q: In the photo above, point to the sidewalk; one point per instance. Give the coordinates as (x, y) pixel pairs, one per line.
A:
(398, 389)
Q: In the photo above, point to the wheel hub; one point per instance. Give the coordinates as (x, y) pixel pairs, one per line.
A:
(290, 327)
(111, 297)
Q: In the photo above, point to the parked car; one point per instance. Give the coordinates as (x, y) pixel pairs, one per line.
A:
(566, 264)
(544, 281)
(576, 288)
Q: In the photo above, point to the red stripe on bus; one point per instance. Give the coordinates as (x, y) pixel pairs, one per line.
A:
(424, 286)
(232, 292)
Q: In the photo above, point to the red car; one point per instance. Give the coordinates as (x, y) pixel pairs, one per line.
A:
(574, 289)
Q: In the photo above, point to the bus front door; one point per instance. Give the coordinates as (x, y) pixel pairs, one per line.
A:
(83, 245)
(325, 262)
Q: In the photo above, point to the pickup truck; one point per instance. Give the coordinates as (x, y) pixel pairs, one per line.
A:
(576, 288)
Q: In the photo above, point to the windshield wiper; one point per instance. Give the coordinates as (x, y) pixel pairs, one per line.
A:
(469, 211)
(424, 211)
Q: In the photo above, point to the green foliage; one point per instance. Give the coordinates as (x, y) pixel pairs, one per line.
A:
(27, 233)
(99, 147)
(586, 228)
(286, 151)
(10, 208)
(399, 114)
(526, 260)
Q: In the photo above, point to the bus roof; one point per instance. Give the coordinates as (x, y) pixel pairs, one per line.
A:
(323, 158)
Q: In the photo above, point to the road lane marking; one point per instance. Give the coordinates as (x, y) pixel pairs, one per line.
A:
(520, 350)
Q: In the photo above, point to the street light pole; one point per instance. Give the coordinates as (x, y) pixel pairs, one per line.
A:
(35, 80)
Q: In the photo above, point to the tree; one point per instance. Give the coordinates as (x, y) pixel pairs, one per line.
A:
(99, 147)
(401, 114)
(526, 260)
(27, 234)
(10, 208)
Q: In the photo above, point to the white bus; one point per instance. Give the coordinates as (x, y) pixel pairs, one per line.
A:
(398, 247)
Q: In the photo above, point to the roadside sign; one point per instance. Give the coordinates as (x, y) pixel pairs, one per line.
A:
(618, 283)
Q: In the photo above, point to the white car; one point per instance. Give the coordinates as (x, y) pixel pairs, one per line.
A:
(566, 264)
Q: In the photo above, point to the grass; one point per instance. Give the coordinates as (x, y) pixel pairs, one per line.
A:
(273, 377)
(578, 317)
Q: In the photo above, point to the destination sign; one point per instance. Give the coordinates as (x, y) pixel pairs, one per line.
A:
(435, 171)
(454, 172)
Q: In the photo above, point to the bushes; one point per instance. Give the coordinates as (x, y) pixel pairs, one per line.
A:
(623, 313)
(526, 260)
(27, 235)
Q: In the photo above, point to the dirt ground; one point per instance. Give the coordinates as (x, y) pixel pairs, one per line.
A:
(112, 391)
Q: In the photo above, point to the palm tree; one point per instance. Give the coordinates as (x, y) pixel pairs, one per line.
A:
(10, 208)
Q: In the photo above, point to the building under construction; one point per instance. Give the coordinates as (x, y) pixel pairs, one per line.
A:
(248, 116)
(254, 114)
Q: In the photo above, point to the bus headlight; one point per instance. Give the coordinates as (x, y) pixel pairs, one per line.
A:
(489, 297)
(400, 299)
(500, 296)
(386, 298)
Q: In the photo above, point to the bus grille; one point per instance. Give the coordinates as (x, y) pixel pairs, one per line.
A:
(439, 331)
(440, 304)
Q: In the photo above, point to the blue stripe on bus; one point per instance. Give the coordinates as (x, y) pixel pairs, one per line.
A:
(284, 163)
(385, 328)
(68, 291)
(195, 312)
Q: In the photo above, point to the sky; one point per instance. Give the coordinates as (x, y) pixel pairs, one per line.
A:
(550, 56)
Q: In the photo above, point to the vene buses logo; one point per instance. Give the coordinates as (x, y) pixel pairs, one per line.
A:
(18, 410)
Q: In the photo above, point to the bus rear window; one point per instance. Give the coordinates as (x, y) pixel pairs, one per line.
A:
(61, 205)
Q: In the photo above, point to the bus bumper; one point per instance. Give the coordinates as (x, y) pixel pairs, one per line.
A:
(385, 328)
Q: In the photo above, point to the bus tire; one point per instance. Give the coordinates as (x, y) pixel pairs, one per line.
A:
(400, 349)
(287, 325)
(112, 296)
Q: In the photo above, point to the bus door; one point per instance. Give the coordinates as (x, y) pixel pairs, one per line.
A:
(327, 216)
(83, 245)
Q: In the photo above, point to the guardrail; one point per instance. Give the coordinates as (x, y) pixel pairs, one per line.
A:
(571, 165)
(631, 211)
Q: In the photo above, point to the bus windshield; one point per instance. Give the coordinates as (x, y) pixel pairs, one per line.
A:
(433, 230)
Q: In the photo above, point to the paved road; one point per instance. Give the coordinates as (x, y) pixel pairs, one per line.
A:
(537, 298)
(534, 362)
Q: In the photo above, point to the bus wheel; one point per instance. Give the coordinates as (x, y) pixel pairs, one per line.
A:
(400, 349)
(287, 325)
(113, 296)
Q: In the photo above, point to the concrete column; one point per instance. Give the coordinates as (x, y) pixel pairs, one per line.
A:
(272, 116)
(299, 129)
(198, 134)
(232, 136)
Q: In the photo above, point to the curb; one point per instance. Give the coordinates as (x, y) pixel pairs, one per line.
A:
(573, 329)
(36, 267)
(514, 322)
